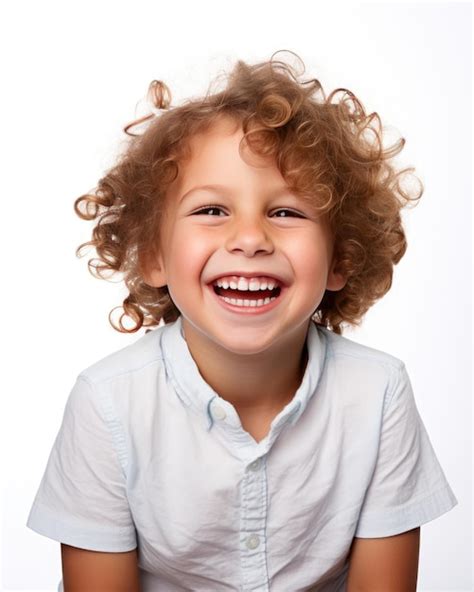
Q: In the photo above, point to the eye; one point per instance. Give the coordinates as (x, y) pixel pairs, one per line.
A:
(292, 213)
(210, 208)
(213, 209)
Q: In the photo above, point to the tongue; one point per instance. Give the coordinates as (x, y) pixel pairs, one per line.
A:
(249, 295)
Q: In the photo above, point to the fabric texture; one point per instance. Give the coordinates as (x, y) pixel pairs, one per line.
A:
(149, 455)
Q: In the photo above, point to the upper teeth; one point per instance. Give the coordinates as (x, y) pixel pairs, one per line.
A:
(244, 284)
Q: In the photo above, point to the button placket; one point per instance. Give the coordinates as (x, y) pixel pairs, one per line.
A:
(253, 520)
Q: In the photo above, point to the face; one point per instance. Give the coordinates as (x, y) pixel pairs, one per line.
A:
(255, 225)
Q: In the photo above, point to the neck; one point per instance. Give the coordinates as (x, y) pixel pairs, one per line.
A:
(263, 382)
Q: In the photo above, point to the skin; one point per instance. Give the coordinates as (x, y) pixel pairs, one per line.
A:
(97, 571)
(256, 362)
(386, 564)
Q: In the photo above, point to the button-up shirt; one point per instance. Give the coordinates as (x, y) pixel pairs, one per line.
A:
(148, 455)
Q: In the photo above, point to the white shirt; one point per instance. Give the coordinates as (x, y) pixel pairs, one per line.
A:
(149, 455)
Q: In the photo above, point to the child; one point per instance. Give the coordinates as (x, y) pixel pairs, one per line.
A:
(245, 444)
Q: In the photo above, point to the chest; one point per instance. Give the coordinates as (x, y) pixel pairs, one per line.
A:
(209, 505)
(204, 515)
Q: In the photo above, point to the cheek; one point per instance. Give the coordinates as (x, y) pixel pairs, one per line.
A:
(309, 255)
(188, 250)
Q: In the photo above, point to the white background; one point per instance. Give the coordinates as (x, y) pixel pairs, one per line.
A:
(72, 76)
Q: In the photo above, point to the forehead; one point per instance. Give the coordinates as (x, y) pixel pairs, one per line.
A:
(218, 156)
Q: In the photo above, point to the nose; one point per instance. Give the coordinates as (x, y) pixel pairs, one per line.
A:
(249, 236)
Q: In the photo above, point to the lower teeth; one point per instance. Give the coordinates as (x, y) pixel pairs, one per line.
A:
(247, 301)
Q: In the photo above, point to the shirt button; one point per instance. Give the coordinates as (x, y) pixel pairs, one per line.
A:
(220, 413)
(253, 541)
(255, 465)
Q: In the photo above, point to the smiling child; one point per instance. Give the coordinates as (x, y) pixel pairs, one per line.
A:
(244, 443)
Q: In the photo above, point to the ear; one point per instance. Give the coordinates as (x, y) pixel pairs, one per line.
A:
(336, 281)
(156, 278)
(153, 271)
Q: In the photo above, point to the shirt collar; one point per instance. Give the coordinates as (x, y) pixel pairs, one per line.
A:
(195, 393)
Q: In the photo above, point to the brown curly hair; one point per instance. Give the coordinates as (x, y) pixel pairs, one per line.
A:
(329, 152)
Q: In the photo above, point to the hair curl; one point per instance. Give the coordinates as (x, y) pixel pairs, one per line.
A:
(330, 152)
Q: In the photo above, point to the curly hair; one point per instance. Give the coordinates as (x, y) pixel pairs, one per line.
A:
(329, 151)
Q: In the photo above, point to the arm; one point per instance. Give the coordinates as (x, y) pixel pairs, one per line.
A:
(389, 563)
(99, 572)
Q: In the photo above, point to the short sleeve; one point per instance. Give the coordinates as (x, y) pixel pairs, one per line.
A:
(408, 487)
(81, 500)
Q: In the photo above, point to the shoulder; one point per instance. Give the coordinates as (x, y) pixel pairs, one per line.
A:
(365, 379)
(339, 346)
(144, 353)
(355, 359)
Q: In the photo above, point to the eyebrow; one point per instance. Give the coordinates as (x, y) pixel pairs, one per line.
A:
(216, 188)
